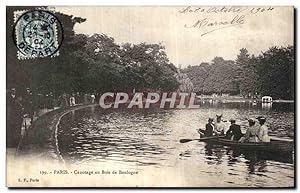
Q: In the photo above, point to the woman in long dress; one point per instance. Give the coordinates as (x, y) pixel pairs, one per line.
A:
(252, 133)
(263, 130)
(219, 126)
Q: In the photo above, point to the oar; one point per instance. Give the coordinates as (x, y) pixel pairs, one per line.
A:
(187, 140)
(200, 139)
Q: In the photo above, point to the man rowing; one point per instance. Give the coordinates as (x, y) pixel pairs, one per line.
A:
(234, 132)
(209, 129)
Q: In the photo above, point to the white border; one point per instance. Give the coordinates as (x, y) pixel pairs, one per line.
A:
(152, 2)
(5, 3)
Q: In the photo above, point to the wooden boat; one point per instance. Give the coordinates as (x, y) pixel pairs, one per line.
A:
(275, 145)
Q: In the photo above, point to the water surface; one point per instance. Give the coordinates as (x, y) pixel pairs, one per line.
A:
(149, 139)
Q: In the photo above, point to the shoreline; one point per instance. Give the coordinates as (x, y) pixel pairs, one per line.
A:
(240, 99)
(40, 140)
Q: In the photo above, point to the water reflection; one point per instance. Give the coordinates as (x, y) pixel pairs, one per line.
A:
(266, 106)
(115, 137)
(255, 160)
(150, 138)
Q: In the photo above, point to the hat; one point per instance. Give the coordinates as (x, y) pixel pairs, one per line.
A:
(219, 116)
(210, 119)
(232, 120)
(261, 118)
(251, 120)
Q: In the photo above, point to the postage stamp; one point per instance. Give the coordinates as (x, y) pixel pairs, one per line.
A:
(35, 34)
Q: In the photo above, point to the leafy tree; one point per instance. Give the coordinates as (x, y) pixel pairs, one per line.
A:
(89, 64)
(271, 73)
(217, 77)
(276, 72)
(198, 75)
(246, 77)
(150, 66)
(43, 74)
(221, 77)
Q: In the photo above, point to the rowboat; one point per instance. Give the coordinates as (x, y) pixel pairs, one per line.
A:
(275, 145)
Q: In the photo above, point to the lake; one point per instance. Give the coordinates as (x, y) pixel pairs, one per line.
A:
(148, 140)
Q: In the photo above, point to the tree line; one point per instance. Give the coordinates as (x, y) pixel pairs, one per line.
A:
(91, 64)
(269, 73)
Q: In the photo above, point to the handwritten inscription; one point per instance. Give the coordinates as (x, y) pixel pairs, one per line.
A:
(206, 24)
(190, 9)
(224, 9)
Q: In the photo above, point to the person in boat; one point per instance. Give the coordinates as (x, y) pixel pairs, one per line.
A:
(234, 132)
(219, 125)
(209, 129)
(252, 133)
(263, 130)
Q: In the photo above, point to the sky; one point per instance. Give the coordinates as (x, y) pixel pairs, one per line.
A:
(194, 34)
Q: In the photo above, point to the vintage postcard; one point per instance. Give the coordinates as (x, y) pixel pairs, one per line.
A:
(150, 96)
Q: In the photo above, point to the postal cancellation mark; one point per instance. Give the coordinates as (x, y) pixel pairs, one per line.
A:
(36, 34)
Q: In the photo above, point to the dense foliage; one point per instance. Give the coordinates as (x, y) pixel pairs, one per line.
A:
(91, 64)
(270, 73)
(97, 64)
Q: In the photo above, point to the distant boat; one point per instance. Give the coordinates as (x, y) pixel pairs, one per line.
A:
(266, 99)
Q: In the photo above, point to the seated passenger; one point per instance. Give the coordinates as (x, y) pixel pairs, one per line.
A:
(251, 133)
(219, 126)
(263, 130)
(234, 132)
(209, 129)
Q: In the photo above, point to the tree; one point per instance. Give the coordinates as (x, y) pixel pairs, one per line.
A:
(91, 63)
(246, 77)
(42, 74)
(221, 77)
(276, 72)
(198, 75)
(149, 65)
(271, 73)
(217, 77)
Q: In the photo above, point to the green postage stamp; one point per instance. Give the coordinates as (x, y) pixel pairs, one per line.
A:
(35, 34)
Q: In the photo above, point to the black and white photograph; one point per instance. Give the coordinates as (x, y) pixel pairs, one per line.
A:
(150, 96)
